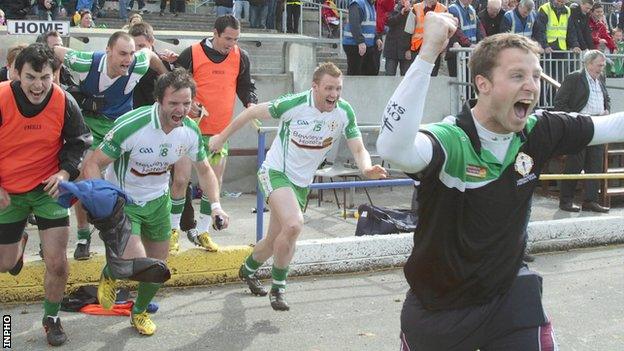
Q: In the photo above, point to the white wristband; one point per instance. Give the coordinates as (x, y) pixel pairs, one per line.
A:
(215, 206)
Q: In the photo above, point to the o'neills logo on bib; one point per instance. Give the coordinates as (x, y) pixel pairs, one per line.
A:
(524, 165)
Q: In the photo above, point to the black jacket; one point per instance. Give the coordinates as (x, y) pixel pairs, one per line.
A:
(397, 40)
(15, 9)
(539, 31)
(574, 93)
(580, 24)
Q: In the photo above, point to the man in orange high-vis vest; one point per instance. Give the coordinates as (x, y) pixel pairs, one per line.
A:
(415, 25)
(221, 70)
(44, 138)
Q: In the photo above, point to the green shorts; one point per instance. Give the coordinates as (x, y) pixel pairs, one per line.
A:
(35, 201)
(270, 179)
(151, 220)
(99, 126)
(215, 157)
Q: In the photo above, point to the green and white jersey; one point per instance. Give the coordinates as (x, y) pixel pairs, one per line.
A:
(305, 135)
(80, 62)
(144, 154)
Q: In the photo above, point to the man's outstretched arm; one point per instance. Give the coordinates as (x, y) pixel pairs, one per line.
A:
(399, 141)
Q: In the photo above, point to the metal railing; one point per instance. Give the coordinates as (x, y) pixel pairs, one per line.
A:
(311, 5)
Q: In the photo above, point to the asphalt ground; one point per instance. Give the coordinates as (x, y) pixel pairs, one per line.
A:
(583, 293)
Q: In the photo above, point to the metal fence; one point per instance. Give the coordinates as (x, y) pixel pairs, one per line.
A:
(557, 65)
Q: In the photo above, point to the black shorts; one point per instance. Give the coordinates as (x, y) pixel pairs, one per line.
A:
(11, 233)
(514, 321)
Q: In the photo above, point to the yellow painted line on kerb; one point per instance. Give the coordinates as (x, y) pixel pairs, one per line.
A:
(188, 268)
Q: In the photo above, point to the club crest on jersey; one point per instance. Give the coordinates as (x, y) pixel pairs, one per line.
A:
(180, 150)
(523, 165)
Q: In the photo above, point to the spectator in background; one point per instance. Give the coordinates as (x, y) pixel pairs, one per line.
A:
(491, 17)
(15, 9)
(88, 5)
(86, 19)
(616, 70)
(8, 72)
(520, 20)
(397, 45)
(358, 38)
(468, 34)
(2, 18)
(579, 23)
(241, 10)
(48, 10)
(330, 17)
(258, 10)
(599, 31)
(141, 4)
(293, 13)
(224, 7)
(479, 5)
(614, 17)
(134, 19)
(509, 4)
(585, 92)
(272, 6)
(415, 25)
(382, 8)
(175, 7)
(552, 29)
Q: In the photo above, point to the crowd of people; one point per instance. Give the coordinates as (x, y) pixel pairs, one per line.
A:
(395, 28)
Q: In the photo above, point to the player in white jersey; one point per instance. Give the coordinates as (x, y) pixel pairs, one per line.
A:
(137, 154)
(310, 122)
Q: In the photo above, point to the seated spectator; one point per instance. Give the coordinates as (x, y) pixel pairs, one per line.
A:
(8, 72)
(48, 9)
(135, 18)
(331, 18)
(600, 33)
(2, 19)
(223, 7)
(86, 19)
(491, 17)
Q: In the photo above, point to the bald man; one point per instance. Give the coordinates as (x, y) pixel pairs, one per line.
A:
(491, 17)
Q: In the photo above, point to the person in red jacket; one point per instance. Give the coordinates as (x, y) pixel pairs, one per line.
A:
(600, 33)
(382, 8)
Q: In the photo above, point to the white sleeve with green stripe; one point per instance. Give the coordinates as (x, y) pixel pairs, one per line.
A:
(351, 129)
(79, 62)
